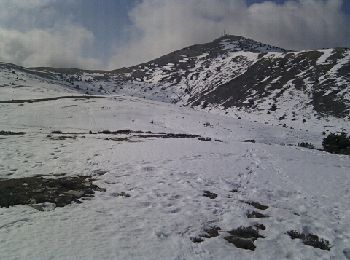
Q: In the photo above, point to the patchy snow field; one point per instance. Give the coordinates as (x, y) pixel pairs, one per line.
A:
(162, 194)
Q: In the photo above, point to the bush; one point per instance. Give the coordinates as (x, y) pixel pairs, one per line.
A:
(337, 143)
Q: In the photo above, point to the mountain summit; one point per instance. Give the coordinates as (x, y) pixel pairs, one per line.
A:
(240, 43)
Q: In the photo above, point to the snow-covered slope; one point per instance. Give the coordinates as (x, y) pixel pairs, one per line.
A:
(21, 83)
(238, 77)
(163, 195)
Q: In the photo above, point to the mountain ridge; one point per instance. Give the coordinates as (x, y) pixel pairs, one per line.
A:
(232, 75)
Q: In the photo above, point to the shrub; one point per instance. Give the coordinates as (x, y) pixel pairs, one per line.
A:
(337, 143)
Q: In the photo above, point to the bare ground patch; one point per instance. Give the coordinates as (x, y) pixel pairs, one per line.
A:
(33, 190)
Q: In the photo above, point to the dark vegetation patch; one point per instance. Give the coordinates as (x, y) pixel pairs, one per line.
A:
(211, 232)
(209, 195)
(197, 239)
(329, 104)
(306, 145)
(246, 232)
(118, 139)
(121, 194)
(273, 108)
(131, 133)
(260, 226)
(255, 214)
(61, 137)
(244, 237)
(59, 132)
(120, 132)
(337, 144)
(99, 172)
(11, 133)
(256, 205)
(246, 244)
(207, 124)
(32, 190)
(163, 135)
(21, 101)
(148, 134)
(204, 139)
(249, 141)
(310, 240)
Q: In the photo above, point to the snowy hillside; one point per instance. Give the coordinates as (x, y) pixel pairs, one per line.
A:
(193, 155)
(21, 83)
(237, 77)
(162, 182)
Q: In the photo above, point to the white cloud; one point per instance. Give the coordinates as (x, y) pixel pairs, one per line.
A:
(32, 34)
(26, 4)
(160, 26)
(57, 48)
(300, 24)
(25, 13)
(42, 32)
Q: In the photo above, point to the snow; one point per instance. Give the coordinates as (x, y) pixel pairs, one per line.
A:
(326, 54)
(21, 85)
(229, 45)
(341, 63)
(231, 65)
(304, 189)
(276, 55)
(184, 82)
(238, 45)
(333, 74)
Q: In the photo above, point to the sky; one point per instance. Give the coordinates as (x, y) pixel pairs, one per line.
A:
(109, 34)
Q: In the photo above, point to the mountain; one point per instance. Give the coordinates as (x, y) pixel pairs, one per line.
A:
(118, 177)
(238, 77)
